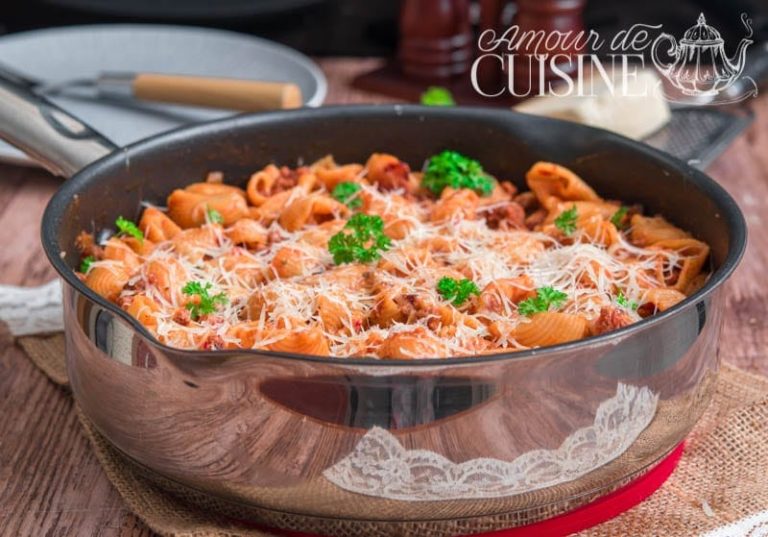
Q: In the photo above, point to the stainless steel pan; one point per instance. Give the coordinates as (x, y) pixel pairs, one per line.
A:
(491, 441)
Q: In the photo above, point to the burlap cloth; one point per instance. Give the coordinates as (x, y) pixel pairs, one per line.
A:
(722, 477)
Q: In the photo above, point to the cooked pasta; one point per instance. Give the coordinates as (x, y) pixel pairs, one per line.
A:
(377, 260)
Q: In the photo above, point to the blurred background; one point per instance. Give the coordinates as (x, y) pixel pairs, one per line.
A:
(356, 27)
(427, 44)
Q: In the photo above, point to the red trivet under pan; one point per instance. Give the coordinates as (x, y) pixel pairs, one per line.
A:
(584, 517)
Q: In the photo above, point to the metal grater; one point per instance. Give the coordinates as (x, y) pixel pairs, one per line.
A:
(698, 135)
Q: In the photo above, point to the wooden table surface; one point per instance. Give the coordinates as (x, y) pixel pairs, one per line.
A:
(51, 484)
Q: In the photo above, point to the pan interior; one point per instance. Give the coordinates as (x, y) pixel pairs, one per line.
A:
(506, 143)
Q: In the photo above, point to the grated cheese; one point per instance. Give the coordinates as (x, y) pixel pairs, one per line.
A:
(587, 272)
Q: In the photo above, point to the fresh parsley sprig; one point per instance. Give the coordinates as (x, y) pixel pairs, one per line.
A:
(85, 264)
(566, 221)
(457, 291)
(624, 302)
(346, 193)
(362, 239)
(126, 227)
(618, 217)
(437, 96)
(452, 169)
(205, 303)
(214, 216)
(546, 299)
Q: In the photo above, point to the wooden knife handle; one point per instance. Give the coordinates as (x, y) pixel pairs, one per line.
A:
(235, 94)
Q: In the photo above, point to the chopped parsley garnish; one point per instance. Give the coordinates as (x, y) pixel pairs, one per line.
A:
(624, 302)
(457, 291)
(452, 169)
(437, 96)
(346, 193)
(86, 263)
(362, 239)
(205, 303)
(566, 221)
(126, 227)
(214, 216)
(546, 299)
(618, 217)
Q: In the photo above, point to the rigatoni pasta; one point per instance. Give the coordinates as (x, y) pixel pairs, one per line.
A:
(377, 260)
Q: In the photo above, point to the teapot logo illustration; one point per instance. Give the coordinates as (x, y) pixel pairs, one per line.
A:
(699, 65)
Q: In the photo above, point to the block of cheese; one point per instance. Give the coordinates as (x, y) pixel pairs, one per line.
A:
(633, 107)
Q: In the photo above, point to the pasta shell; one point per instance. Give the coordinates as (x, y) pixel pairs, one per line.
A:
(231, 207)
(188, 209)
(248, 334)
(386, 311)
(297, 214)
(388, 172)
(695, 255)
(646, 230)
(325, 163)
(256, 306)
(214, 189)
(584, 209)
(195, 243)
(552, 183)
(450, 317)
(398, 229)
(248, 232)
(116, 250)
(310, 210)
(320, 235)
(597, 230)
(144, 309)
(306, 180)
(351, 276)
(593, 274)
(261, 183)
(499, 295)
(439, 244)
(310, 341)
(337, 316)
(417, 343)
(659, 299)
(157, 227)
(271, 208)
(500, 330)
(167, 276)
(290, 262)
(240, 268)
(389, 207)
(551, 328)
(142, 247)
(330, 177)
(461, 203)
(502, 192)
(108, 279)
(406, 260)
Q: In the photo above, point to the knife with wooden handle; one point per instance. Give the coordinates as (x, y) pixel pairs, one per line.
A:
(211, 92)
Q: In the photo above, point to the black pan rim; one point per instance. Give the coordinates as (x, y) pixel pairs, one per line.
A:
(62, 198)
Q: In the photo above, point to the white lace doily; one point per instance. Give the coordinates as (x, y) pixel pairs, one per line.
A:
(32, 310)
(752, 526)
(380, 466)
